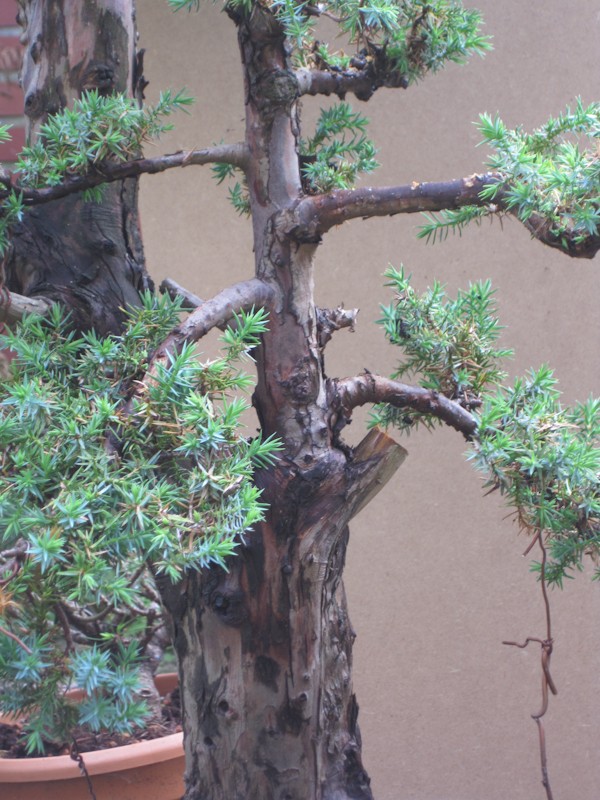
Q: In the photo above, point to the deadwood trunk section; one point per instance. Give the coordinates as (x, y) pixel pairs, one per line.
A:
(86, 255)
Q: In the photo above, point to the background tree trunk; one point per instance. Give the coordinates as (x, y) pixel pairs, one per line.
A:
(86, 255)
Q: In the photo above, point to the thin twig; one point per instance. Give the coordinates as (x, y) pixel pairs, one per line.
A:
(76, 756)
(546, 652)
(16, 639)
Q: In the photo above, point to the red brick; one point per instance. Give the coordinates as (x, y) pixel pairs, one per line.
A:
(8, 12)
(10, 150)
(11, 100)
(11, 53)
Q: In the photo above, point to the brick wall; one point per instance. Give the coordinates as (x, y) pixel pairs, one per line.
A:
(11, 96)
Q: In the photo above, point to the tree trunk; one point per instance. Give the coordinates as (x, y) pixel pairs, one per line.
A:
(86, 255)
(265, 649)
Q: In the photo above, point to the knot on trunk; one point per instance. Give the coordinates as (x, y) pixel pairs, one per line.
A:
(276, 90)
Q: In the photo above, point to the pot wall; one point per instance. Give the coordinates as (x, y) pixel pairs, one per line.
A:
(151, 770)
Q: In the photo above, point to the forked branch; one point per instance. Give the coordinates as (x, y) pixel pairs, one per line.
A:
(368, 388)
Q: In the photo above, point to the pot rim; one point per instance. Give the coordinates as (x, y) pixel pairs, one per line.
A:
(97, 762)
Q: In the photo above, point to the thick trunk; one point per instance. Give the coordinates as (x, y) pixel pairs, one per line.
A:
(86, 255)
(265, 650)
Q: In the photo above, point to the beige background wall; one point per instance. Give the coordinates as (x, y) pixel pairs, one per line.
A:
(435, 577)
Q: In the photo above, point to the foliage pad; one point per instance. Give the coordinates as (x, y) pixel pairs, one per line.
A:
(92, 491)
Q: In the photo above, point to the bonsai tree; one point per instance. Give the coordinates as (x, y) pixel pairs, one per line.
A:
(126, 475)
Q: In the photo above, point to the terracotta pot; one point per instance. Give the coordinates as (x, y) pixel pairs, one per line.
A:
(150, 770)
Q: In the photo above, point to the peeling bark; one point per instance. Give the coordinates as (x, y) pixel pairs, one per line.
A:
(269, 709)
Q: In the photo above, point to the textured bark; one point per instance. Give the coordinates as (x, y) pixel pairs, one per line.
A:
(88, 256)
(265, 649)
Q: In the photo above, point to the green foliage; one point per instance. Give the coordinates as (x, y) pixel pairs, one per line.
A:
(98, 128)
(438, 226)
(92, 492)
(449, 344)
(238, 193)
(553, 173)
(76, 141)
(11, 212)
(338, 150)
(543, 457)
(546, 460)
(408, 39)
(332, 158)
(190, 5)
(240, 198)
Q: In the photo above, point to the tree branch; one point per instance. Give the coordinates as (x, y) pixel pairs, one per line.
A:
(13, 307)
(110, 172)
(15, 638)
(368, 388)
(214, 313)
(374, 461)
(174, 289)
(567, 242)
(314, 216)
(361, 82)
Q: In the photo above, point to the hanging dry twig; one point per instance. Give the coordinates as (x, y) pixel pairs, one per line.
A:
(546, 650)
(76, 756)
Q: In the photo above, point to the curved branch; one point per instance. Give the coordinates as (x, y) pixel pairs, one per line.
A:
(15, 638)
(568, 242)
(314, 216)
(110, 172)
(211, 314)
(368, 388)
(214, 313)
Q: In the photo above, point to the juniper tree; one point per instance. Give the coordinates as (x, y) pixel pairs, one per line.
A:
(260, 623)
